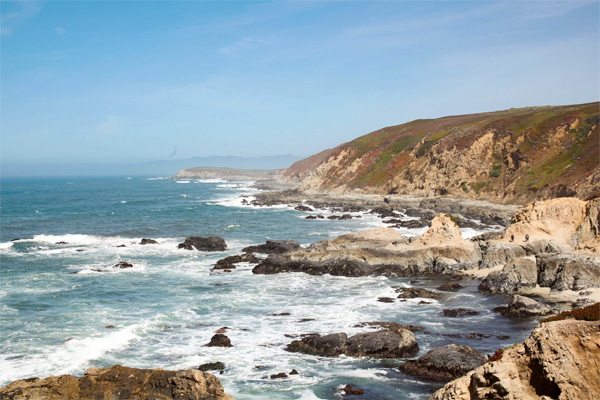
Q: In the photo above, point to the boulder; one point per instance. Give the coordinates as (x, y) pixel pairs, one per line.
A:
(148, 241)
(568, 271)
(444, 363)
(521, 306)
(119, 382)
(413, 292)
(337, 267)
(229, 262)
(219, 340)
(273, 247)
(458, 312)
(123, 265)
(216, 366)
(329, 345)
(383, 344)
(517, 273)
(199, 243)
(303, 208)
(451, 286)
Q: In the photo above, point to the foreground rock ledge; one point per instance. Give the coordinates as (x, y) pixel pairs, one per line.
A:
(120, 383)
(560, 360)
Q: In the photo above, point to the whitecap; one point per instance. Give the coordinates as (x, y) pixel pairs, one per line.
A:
(182, 181)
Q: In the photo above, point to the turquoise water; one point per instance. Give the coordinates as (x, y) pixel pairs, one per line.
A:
(57, 299)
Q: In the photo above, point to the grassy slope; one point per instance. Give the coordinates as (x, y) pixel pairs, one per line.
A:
(529, 155)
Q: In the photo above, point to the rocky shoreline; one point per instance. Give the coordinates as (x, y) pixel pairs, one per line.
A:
(551, 246)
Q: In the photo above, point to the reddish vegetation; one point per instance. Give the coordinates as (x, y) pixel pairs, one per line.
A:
(589, 313)
(513, 155)
(497, 355)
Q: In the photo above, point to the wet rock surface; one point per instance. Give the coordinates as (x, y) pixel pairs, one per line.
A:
(219, 340)
(413, 292)
(445, 363)
(273, 247)
(459, 312)
(384, 344)
(199, 243)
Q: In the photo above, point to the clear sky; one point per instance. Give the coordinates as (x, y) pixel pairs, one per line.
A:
(118, 81)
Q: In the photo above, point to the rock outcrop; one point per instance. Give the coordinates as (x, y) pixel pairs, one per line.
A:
(383, 344)
(273, 247)
(445, 363)
(521, 306)
(121, 383)
(200, 243)
(560, 360)
(381, 251)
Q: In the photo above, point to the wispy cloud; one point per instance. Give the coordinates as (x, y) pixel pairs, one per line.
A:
(551, 9)
(242, 45)
(15, 13)
(60, 30)
(112, 125)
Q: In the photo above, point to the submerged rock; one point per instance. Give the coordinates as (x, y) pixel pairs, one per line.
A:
(392, 326)
(452, 286)
(199, 243)
(216, 366)
(229, 262)
(459, 312)
(119, 382)
(445, 363)
(122, 265)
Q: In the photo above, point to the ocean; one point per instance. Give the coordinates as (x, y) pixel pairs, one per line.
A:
(64, 308)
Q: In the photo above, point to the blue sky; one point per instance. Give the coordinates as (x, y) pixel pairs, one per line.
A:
(118, 81)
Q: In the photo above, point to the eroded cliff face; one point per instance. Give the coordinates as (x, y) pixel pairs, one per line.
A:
(560, 360)
(516, 155)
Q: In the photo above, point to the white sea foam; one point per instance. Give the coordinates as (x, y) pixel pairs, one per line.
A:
(182, 181)
(70, 357)
(6, 245)
(157, 179)
(210, 181)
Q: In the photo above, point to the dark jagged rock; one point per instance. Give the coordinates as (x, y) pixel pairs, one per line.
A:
(444, 363)
(199, 243)
(219, 340)
(385, 299)
(383, 344)
(293, 372)
(283, 314)
(273, 247)
(392, 326)
(459, 312)
(306, 319)
(61, 243)
(148, 241)
(216, 366)
(229, 262)
(121, 245)
(303, 208)
(310, 217)
(329, 345)
(384, 212)
(122, 265)
(521, 306)
(280, 375)
(337, 267)
(413, 292)
(119, 382)
(450, 286)
(350, 391)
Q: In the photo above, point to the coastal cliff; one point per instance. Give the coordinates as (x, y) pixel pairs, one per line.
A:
(517, 155)
(560, 360)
